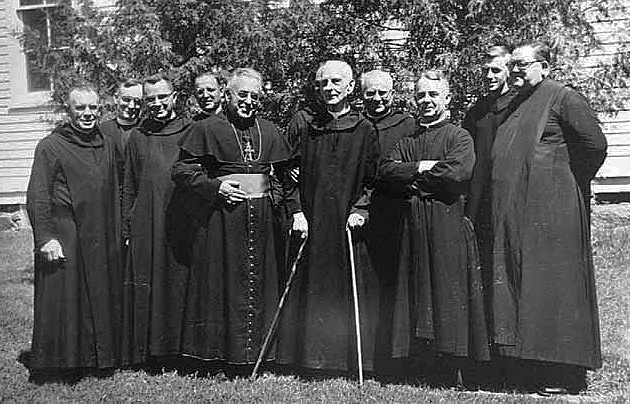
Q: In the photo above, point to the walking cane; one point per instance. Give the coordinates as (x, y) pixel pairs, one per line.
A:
(355, 296)
(276, 317)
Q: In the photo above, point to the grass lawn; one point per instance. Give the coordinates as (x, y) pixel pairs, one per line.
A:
(611, 384)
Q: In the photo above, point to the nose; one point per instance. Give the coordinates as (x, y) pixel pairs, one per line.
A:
(329, 85)
(377, 97)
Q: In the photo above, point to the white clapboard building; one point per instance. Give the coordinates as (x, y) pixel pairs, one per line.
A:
(26, 115)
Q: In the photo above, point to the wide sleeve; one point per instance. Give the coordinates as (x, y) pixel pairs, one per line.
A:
(396, 168)
(583, 135)
(290, 181)
(371, 156)
(38, 195)
(189, 173)
(454, 169)
(131, 181)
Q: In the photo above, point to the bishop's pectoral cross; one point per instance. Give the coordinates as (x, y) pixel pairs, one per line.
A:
(248, 151)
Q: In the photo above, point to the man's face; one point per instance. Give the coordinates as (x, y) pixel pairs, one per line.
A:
(129, 103)
(378, 95)
(159, 99)
(207, 93)
(83, 109)
(525, 70)
(243, 97)
(333, 83)
(496, 73)
(432, 98)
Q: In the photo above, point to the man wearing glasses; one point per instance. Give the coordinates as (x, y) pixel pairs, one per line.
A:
(209, 94)
(128, 101)
(385, 215)
(544, 304)
(232, 290)
(74, 208)
(154, 281)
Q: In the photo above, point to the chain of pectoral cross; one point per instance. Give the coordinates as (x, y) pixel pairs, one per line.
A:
(247, 152)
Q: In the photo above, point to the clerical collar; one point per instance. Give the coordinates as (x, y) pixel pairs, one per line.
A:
(433, 123)
(344, 111)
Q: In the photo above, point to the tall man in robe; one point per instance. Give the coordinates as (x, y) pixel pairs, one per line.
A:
(437, 299)
(74, 208)
(385, 218)
(337, 151)
(544, 303)
(232, 290)
(209, 95)
(154, 278)
(482, 121)
(128, 100)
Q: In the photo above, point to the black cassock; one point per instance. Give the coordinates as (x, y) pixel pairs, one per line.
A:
(337, 158)
(232, 291)
(119, 135)
(155, 280)
(544, 300)
(72, 197)
(436, 295)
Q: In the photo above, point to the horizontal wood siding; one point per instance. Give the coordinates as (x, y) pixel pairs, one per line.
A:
(19, 135)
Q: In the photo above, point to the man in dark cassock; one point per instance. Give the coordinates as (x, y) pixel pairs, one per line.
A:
(382, 233)
(544, 303)
(232, 291)
(482, 122)
(438, 305)
(337, 151)
(155, 279)
(128, 100)
(74, 208)
(208, 93)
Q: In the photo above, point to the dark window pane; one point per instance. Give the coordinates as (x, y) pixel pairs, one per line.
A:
(30, 2)
(37, 79)
(35, 21)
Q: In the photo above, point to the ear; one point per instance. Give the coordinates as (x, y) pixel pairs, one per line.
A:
(175, 95)
(447, 99)
(351, 86)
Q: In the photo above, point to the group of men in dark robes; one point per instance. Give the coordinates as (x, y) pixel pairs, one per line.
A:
(165, 237)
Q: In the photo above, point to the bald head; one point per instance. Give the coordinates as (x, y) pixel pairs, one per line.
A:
(377, 91)
(334, 82)
(376, 78)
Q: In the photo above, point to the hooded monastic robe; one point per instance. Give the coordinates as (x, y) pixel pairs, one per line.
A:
(119, 134)
(544, 301)
(337, 159)
(383, 235)
(72, 197)
(437, 294)
(232, 291)
(482, 122)
(155, 280)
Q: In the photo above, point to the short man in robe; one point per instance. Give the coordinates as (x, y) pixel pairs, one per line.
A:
(438, 308)
(154, 277)
(544, 303)
(209, 95)
(385, 211)
(128, 100)
(337, 152)
(74, 208)
(232, 290)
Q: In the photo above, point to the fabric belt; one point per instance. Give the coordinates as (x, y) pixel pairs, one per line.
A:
(254, 185)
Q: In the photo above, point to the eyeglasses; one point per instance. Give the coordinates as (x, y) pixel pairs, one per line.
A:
(522, 64)
(242, 95)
